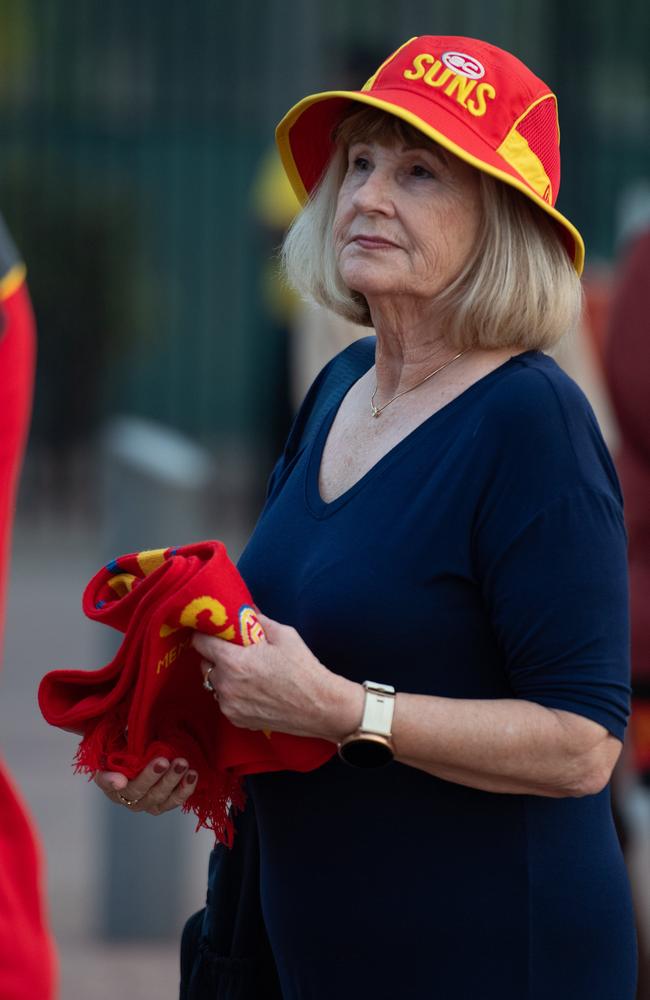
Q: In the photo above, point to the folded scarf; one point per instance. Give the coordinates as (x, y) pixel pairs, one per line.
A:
(149, 701)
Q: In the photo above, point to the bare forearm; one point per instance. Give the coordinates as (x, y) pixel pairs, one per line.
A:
(505, 745)
(502, 745)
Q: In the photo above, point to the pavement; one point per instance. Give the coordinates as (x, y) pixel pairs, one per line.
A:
(54, 556)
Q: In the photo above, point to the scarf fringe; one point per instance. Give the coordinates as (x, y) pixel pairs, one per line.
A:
(217, 797)
(216, 812)
(107, 736)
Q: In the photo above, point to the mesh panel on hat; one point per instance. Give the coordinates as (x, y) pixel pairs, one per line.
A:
(539, 129)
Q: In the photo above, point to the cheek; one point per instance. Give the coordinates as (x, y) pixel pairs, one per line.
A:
(459, 232)
(469, 214)
(466, 240)
(340, 229)
(460, 235)
(343, 214)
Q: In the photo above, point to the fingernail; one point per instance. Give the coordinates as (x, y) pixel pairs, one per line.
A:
(190, 777)
(180, 768)
(161, 766)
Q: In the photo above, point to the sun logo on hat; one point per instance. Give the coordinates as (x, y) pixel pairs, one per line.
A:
(459, 62)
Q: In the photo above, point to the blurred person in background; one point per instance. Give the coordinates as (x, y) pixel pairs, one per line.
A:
(307, 335)
(27, 961)
(446, 519)
(628, 373)
(274, 205)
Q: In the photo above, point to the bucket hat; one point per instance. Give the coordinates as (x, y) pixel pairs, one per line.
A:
(474, 99)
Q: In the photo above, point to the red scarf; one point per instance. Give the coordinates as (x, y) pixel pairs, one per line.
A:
(149, 701)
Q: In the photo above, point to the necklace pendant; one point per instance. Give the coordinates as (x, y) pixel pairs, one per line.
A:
(375, 410)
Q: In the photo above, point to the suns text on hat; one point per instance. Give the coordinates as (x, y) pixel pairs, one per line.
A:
(471, 95)
(459, 62)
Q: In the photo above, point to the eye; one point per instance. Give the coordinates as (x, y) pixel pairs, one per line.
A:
(360, 163)
(419, 170)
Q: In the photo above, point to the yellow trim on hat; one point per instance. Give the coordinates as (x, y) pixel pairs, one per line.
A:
(286, 154)
(515, 150)
(12, 279)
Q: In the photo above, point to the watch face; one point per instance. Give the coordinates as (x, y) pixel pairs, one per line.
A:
(366, 752)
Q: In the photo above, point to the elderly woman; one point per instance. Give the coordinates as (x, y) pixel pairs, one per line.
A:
(446, 521)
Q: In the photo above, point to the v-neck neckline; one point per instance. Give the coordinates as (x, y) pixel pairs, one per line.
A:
(320, 508)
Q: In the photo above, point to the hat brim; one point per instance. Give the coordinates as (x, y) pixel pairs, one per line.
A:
(304, 138)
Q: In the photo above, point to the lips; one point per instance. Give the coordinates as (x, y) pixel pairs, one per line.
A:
(373, 242)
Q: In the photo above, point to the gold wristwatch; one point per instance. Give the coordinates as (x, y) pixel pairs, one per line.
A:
(371, 744)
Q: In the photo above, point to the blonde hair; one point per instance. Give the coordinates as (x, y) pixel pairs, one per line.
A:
(517, 289)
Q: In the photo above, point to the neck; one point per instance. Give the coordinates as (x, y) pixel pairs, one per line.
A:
(410, 344)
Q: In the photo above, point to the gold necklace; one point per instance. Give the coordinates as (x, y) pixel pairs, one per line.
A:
(376, 410)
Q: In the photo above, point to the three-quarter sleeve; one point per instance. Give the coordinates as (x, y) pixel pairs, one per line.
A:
(557, 596)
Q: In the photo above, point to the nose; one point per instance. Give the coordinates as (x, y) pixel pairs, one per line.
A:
(374, 195)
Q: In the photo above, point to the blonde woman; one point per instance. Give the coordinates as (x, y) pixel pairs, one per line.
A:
(443, 544)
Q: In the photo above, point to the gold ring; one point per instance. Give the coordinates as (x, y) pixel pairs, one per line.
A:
(127, 802)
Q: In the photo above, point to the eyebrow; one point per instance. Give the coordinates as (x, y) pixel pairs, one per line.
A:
(432, 150)
(437, 154)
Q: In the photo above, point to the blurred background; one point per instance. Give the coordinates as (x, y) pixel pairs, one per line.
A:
(138, 180)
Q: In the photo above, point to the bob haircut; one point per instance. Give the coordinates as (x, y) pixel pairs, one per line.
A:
(517, 289)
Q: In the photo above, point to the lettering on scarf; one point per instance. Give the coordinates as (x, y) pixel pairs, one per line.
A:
(172, 655)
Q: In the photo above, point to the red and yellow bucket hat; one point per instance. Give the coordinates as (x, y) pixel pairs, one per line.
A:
(479, 102)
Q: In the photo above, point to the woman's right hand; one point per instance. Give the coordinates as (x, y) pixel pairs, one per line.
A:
(160, 787)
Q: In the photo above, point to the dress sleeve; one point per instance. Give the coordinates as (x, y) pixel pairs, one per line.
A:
(557, 597)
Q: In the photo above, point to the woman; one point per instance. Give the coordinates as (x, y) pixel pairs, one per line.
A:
(451, 528)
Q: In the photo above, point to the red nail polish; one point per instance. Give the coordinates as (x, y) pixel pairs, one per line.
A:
(190, 777)
(160, 768)
(180, 768)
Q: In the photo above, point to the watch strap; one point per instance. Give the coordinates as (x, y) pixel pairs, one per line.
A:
(378, 709)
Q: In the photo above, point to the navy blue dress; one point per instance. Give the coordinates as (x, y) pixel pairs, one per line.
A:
(482, 557)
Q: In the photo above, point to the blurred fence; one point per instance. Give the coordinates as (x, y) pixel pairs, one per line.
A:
(131, 134)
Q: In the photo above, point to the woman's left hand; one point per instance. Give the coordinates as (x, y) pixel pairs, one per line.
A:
(279, 685)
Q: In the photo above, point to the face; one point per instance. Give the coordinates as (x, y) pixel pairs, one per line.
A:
(406, 219)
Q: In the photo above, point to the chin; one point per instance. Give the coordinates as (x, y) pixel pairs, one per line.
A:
(369, 280)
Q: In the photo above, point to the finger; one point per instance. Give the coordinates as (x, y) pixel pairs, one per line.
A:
(157, 795)
(272, 629)
(137, 788)
(207, 666)
(210, 676)
(171, 791)
(267, 622)
(110, 781)
(210, 647)
(178, 796)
